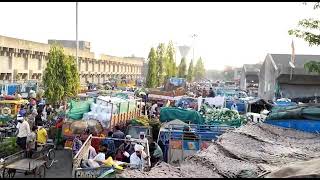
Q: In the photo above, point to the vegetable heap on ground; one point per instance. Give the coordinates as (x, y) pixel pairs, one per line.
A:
(8, 147)
(222, 116)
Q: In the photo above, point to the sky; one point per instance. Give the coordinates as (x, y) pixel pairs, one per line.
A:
(228, 33)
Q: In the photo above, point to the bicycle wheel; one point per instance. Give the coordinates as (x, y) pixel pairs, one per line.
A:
(8, 173)
(50, 158)
(40, 172)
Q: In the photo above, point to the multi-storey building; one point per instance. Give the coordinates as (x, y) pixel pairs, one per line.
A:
(22, 60)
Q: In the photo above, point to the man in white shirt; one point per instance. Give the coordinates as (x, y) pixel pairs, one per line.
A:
(23, 132)
(153, 109)
(136, 159)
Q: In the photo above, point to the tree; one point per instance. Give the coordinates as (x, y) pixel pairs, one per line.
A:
(152, 69)
(161, 60)
(309, 31)
(182, 68)
(190, 71)
(200, 71)
(61, 78)
(171, 65)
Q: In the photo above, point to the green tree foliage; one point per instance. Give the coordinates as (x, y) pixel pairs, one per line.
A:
(61, 77)
(200, 71)
(190, 71)
(182, 68)
(312, 66)
(171, 65)
(152, 69)
(309, 31)
(161, 62)
(164, 65)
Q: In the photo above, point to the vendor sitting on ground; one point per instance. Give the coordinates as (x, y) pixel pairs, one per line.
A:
(156, 153)
(105, 148)
(119, 155)
(137, 159)
(126, 149)
(108, 145)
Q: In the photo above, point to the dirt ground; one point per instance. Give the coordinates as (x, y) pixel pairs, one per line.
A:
(61, 169)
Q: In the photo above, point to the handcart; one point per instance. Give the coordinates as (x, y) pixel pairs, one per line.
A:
(36, 165)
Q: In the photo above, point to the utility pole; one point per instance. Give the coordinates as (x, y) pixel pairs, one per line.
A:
(194, 37)
(77, 42)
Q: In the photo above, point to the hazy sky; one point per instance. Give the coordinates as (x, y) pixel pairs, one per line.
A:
(228, 33)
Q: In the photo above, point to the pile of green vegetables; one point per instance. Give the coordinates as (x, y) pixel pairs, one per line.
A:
(140, 121)
(222, 116)
(8, 146)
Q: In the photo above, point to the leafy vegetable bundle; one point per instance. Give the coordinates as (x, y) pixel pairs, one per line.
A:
(222, 116)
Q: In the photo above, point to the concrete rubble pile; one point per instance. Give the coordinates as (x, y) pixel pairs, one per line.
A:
(252, 150)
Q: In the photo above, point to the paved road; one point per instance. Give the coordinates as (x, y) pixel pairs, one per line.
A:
(61, 169)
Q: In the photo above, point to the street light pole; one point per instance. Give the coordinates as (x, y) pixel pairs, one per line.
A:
(194, 37)
(77, 42)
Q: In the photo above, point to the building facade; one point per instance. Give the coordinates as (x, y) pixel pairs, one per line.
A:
(23, 60)
(279, 80)
(249, 80)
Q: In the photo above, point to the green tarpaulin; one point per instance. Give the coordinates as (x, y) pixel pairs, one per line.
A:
(78, 108)
(295, 112)
(171, 113)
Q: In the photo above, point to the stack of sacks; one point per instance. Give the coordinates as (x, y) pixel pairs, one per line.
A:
(103, 100)
(103, 115)
(100, 113)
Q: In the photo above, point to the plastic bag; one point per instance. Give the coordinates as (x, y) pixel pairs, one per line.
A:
(100, 157)
(109, 163)
(92, 163)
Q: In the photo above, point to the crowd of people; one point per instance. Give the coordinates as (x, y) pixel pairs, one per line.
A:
(122, 148)
(31, 131)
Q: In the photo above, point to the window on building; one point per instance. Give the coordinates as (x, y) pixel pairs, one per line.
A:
(87, 65)
(39, 64)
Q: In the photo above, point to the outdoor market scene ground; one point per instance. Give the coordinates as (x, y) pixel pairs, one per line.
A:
(161, 90)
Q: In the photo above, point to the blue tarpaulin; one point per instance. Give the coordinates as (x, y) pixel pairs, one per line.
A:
(177, 81)
(284, 103)
(241, 106)
(306, 125)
